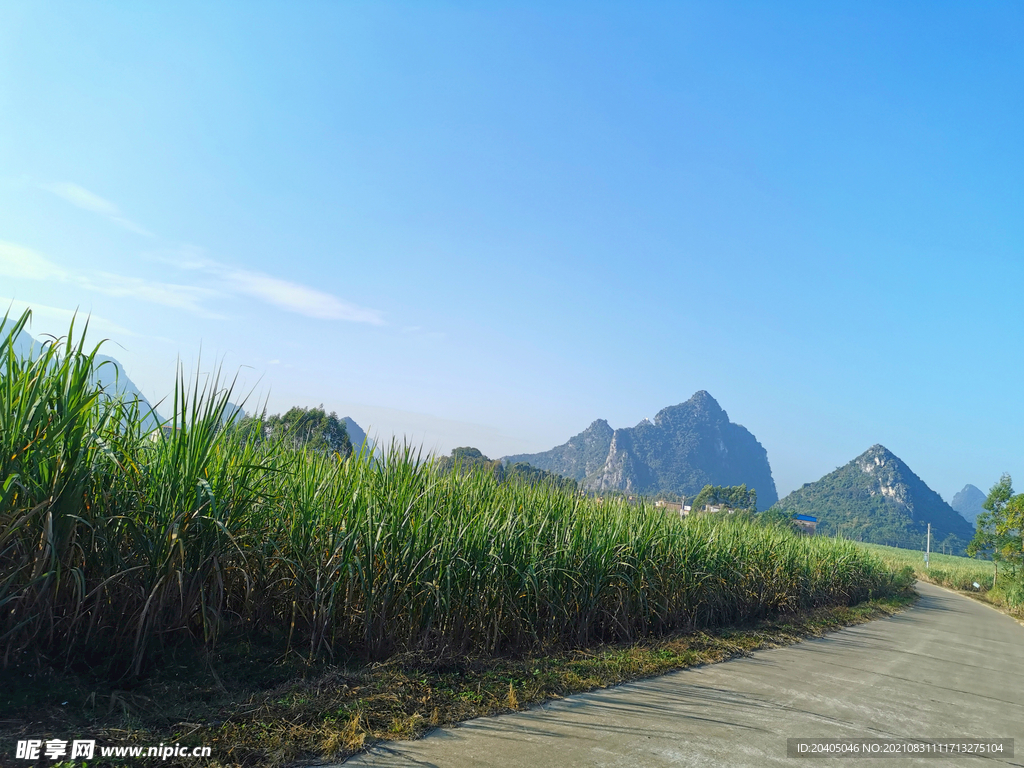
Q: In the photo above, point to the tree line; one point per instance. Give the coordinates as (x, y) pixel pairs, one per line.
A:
(1000, 528)
(311, 428)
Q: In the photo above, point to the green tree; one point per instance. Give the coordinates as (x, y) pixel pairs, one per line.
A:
(300, 428)
(1012, 526)
(999, 527)
(777, 516)
(468, 459)
(733, 497)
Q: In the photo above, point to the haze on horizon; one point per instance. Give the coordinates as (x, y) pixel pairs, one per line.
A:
(491, 224)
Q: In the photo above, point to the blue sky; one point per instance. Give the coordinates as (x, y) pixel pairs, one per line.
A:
(490, 224)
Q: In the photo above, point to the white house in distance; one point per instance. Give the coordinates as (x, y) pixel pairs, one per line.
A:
(673, 506)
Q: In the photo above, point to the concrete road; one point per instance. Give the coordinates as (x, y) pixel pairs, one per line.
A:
(948, 668)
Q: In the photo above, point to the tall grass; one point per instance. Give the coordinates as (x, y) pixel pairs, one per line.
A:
(113, 538)
(958, 573)
(946, 570)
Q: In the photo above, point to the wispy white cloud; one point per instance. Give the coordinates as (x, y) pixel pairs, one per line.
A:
(17, 261)
(187, 297)
(90, 201)
(294, 297)
(418, 332)
(221, 281)
(284, 294)
(20, 262)
(57, 320)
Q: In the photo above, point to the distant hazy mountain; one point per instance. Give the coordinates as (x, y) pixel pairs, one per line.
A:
(232, 411)
(579, 458)
(877, 498)
(357, 435)
(968, 503)
(108, 372)
(686, 447)
(23, 344)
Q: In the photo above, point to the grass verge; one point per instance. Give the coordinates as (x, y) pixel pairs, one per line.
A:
(959, 574)
(254, 710)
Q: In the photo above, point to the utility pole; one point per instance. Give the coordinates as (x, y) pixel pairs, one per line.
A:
(928, 547)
